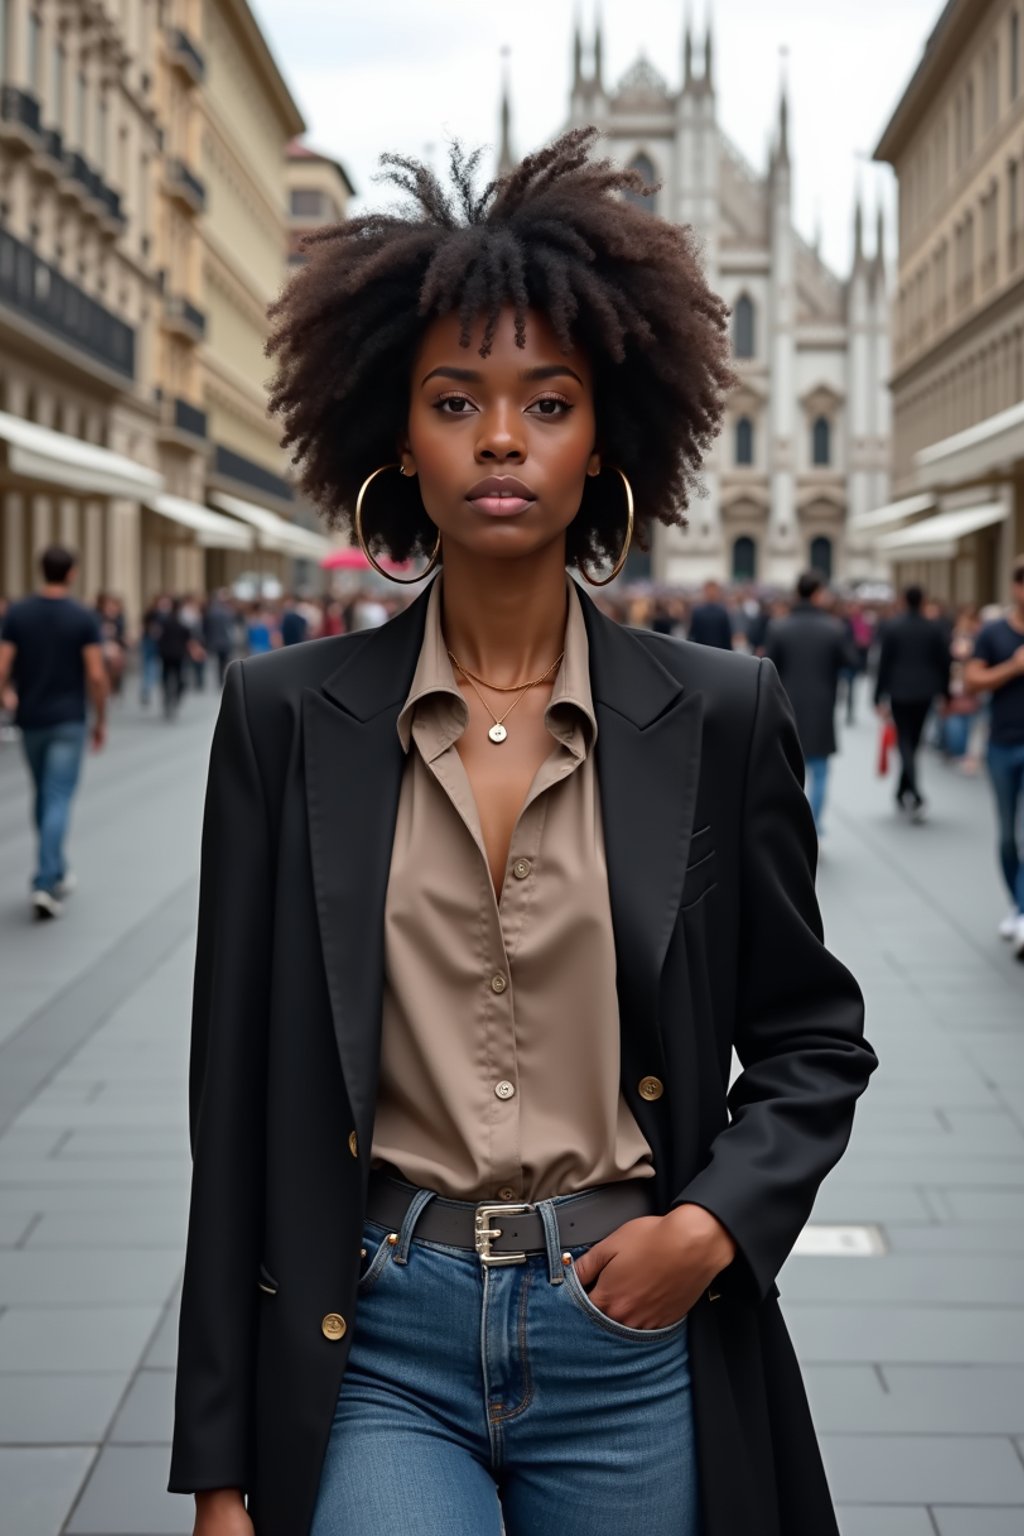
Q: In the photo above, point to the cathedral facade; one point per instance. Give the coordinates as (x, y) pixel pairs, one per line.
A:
(805, 444)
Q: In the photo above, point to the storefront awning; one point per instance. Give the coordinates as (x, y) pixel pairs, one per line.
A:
(211, 530)
(992, 446)
(936, 538)
(55, 458)
(891, 514)
(272, 531)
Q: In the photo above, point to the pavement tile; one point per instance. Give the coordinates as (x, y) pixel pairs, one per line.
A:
(980, 1238)
(39, 1487)
(162, 1353)
(923, 1469)
(58, 1409)
(925, 1399)
(883, 1520)
(34, 1278)
(905, 1277)
(146, 1416)
(136, 1228)
(75, 1339)
(125, 1496)
(853, 1202)
(829, 1334)
(979, 1522)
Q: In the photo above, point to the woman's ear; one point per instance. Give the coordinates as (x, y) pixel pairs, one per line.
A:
(594, 463)
(405, 459)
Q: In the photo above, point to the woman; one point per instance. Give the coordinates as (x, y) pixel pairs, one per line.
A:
(489, 893)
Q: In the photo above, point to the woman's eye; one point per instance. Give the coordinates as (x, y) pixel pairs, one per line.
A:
(459, 405)
(551, 405)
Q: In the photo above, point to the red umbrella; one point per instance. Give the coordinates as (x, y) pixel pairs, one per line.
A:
(350, 558)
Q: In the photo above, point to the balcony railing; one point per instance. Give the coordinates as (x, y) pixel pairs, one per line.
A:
(189, 418)
(186, 55)
(37, 290)
(20, 109)
(53, 144)
(236, 467)
(186, 185)
(181, 312)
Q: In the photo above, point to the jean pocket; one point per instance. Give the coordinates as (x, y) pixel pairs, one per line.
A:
(377, 1253)
(574, 1286)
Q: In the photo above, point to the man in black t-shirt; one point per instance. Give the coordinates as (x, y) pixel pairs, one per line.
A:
(997, 667)
(710, 623)
(50, 647)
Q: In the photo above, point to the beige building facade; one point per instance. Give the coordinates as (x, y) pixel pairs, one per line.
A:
(143, 231)
(956, 144)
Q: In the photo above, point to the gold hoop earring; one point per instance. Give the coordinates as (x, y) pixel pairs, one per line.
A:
(620, 562)
(402, 581)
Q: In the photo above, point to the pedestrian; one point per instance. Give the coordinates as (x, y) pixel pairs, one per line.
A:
(191, 615)
(811, 651)
(473, 1242)
(998, 668)
(174, 646)
(218, 631)
(294, 624)
(710, 623)
(913, 671)
(152, 623)
(50, 647)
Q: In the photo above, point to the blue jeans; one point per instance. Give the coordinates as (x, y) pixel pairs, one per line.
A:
(1006, 770)
(476, 1395)
(54, 754)
(817, 782)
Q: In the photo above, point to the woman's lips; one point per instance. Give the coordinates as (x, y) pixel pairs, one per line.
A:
(501, 506)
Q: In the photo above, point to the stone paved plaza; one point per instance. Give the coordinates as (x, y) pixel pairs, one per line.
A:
(914, 1356)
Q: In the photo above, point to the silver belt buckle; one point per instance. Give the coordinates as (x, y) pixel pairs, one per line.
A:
(483, 1232)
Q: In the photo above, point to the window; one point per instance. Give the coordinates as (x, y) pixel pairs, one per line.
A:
(645, 165)
(744, 441)
(821, 556)
(1013, 209)
(35, 34)
(969, 120)
(101, 131)
(306, 203)
(80, 109)
(744, 559)
(821, 441)
(1014, 55)
(743, 327)
(57, 85)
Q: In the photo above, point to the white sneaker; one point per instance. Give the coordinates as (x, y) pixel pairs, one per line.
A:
(1008, 926)
(67, 885)
(1018, 938)
(45, 905)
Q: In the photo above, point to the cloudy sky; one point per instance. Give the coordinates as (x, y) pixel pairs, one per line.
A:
(409, 76)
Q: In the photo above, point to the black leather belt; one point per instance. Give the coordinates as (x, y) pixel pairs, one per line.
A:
(506, 1232)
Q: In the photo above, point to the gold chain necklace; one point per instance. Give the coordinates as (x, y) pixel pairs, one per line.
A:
(497, 732)
(504, 687)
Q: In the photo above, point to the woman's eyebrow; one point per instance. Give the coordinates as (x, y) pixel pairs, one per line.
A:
(528, 375)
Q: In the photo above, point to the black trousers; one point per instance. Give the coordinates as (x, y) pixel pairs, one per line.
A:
(909, 721)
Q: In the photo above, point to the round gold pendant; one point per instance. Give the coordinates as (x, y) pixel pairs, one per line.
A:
(497, 733)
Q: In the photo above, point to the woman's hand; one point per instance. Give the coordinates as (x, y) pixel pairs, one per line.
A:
(221, 1512)
(648, 1273)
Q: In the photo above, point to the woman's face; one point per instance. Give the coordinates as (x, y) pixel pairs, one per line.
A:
(501, 444)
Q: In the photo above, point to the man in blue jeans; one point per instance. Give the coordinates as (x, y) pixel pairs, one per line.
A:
(997, 667)
(50, 647)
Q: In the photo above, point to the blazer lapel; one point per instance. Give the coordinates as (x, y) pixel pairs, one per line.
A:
(648, 756)
(353, 773)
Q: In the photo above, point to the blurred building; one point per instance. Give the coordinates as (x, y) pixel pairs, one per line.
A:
(318, 193)
(806, 439)
(956, 143)
(143, 230)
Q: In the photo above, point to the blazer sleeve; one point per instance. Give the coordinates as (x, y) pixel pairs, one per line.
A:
(227, 1074)
(799, 1031)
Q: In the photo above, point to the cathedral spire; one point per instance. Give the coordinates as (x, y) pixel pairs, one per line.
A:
(709, 47)
(858, 230)
(506, 159)
(688, 48)
(577, 53)
(599, 52)
(782, 142)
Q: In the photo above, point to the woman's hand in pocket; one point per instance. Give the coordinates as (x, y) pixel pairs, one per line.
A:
(649, 1272)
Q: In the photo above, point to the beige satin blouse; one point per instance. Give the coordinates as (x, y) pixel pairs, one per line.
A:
(500, 1046)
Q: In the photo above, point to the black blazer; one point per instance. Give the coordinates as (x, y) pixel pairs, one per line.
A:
(710, 850)
(913, 662)
(810, 648)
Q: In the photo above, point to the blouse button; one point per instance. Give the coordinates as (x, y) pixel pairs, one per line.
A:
(504, 1089)
(521, 868)
(498, 983)
(507, 1193)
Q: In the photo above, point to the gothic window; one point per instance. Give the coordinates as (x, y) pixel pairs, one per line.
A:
(821, 556)
(744, 441)
(645, 165)
(744, 559)
(821, 441)
(743, 327)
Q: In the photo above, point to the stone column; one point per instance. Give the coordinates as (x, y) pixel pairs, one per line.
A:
(14, 553)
